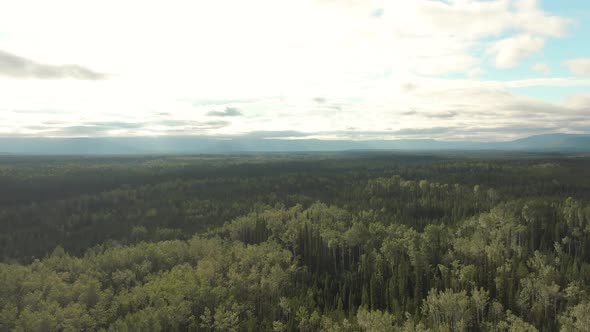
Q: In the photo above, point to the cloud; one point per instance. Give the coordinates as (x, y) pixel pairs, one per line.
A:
(84, 129)
(170, 122)
(475, 72)
(547, 82)
(532, 19)
(542, 68)
(116, 125)
(229, 111)
(421, 131)
(18, 67)
(444, 64)
(349, 133)
(40, 111)
(276, 134)
(523, 128)
(191, 124)
(79, 130)
(508, 52)
(442, 115)
(408, 87)
(377, 75)
(580, 67)
(432, 115)
(121, 128)
(477, 19)
(209, 102)
(202, 125)
(579, 102)
(433, 38)
(378, 12)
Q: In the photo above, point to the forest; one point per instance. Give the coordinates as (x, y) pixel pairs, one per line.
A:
(350, 241)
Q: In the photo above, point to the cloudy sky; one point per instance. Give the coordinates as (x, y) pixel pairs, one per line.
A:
(455, 69)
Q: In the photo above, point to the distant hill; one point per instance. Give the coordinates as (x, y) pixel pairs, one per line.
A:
(242, 144)
(552, 142)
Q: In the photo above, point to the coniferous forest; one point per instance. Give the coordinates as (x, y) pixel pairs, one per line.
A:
(296, 242)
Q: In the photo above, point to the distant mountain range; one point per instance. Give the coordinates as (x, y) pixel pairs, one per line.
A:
(242, 144)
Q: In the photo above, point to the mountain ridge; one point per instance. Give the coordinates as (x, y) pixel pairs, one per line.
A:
(245, 144)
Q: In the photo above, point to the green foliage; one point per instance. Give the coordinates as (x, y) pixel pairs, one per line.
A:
(576, 318)
(295, 243)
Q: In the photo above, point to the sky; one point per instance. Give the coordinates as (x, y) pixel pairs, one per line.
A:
(491, 70)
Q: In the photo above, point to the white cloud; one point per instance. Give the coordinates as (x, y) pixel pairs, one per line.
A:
(508, 52)
(580, 67)
(387, 107)
(14, 66)
(438, 65)
(541, 68)
(547, 82)
(272, 38)
(165, 56)
(475, 72)
(476, 19)
(530, 18)
(580, 102)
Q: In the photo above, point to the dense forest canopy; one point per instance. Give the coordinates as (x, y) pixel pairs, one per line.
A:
(298, 242)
